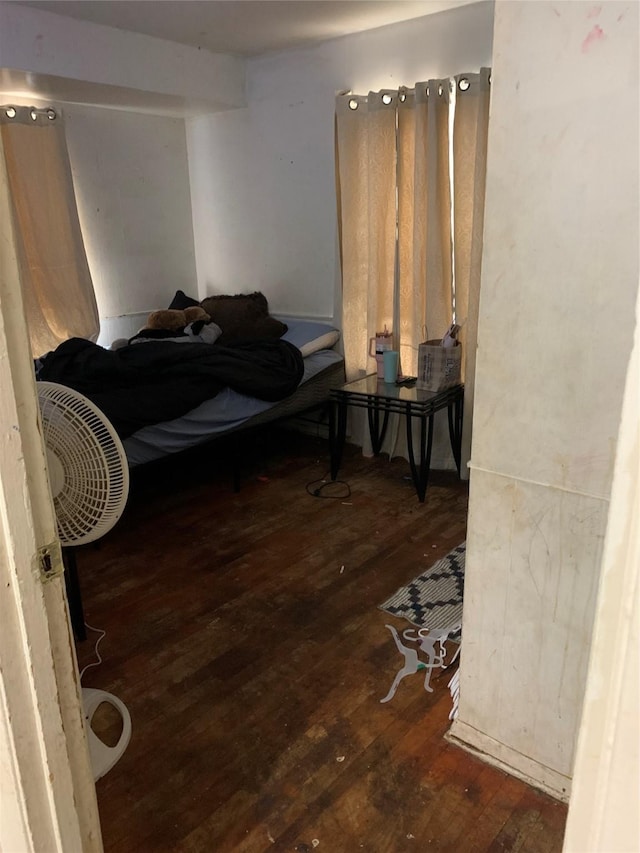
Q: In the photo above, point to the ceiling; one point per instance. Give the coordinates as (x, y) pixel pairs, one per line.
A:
(245, 27)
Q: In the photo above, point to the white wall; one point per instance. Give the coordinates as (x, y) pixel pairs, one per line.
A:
(603, 813)
(560, 276)
(262, 178)
(60, 57)
(132, 187)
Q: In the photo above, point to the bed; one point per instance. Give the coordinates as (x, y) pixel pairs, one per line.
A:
(231, 411)
(163, 397)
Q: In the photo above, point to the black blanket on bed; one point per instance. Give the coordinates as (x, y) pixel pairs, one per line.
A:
(156, 381)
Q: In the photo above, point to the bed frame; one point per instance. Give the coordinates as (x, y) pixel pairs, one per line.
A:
(311, 396)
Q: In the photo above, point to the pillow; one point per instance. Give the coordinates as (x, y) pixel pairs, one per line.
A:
(243, 317)
(181, 301)
(310, 335)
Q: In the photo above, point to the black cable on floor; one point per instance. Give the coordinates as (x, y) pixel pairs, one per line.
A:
(331, 489)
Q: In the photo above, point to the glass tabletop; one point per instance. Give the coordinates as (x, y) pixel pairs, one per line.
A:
(372, 386)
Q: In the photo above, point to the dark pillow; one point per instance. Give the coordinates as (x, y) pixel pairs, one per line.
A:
(243, 317)
(181, 301)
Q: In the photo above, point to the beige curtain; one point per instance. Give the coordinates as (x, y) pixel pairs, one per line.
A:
(56, 283)
(410, 172)
(366, 178)
(470, 129)
(424, 219)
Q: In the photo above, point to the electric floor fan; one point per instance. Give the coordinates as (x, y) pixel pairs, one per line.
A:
(89, 480)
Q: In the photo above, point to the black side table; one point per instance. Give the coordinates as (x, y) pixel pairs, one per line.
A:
(380, 399)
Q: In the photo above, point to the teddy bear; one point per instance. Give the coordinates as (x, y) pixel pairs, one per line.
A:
(193, 324)
(174, 320)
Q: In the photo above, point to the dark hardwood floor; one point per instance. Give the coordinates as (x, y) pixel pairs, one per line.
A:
(244, 636)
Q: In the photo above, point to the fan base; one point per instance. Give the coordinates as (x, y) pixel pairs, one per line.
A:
(103, 757)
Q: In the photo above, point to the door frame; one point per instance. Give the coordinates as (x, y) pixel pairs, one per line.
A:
(46, 782)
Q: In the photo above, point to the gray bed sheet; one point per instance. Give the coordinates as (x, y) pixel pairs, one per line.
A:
(225, 412)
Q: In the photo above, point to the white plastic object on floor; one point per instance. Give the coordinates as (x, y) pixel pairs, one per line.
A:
(103, 757)
(428, 638)
(411, 664)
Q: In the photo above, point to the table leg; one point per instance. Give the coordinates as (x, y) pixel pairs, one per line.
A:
(337, 434)
(376, 431)
(74, 596)
(454, 413)
(420, 475)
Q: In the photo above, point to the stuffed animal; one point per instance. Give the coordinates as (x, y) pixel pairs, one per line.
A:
(192, 324)
(174, 320)
(169, 319)
(194, 313)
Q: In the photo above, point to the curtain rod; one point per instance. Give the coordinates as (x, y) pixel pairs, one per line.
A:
(439, 85)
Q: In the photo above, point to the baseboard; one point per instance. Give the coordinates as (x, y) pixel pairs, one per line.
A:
(510, 760)
(316, 318)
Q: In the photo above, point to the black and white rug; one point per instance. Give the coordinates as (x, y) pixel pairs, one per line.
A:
(434, 598)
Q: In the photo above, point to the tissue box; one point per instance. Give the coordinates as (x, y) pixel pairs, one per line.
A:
(439, 367)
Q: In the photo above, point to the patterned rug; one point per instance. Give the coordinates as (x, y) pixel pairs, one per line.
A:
(434, 598)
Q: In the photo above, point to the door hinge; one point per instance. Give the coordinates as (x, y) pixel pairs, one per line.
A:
(49, 561)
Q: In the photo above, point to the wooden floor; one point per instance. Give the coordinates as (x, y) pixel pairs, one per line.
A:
(244, 635)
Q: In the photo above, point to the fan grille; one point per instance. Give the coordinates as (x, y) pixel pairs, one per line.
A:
(94, 474)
